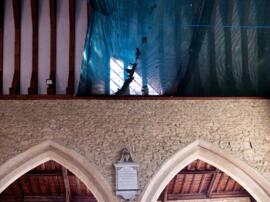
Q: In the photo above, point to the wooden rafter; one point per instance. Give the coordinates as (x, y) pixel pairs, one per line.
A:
(52, 163)
(192, 183)
(198, 172)
(33, 89)
(211, 185)
(40, 182)
(179, 185)
(67, 185)
(20, 187)
(190, 196)
(37, 184)
(229, 195)
(165, 195)
(45, 173)
(2, 15)
(201, 183)
(176, 184)
(16, 87)
(225, 185)
(56, 179)
(51, 90)
(36, 187)
(72, 45)
(200, 180)
(47, 184)
(218, 184)
(234, 186)
(182, 185)
(13, 188)
(78, 183)
(199, 163)
(186, 196)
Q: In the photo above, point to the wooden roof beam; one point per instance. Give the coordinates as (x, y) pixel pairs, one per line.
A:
(72, 46)
(165, 195)
(33, 89)
(192, 184)
(16, 87)
(51, 90)
(202, 183)
(186, 196)
(229, 195)
(191, 196)
(211, 186)
(2, 16)
(46, 198)
(46, 173)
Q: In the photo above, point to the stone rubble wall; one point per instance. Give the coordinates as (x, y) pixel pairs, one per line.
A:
(153, 130)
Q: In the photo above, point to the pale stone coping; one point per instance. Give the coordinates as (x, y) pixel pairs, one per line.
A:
(246, 176)
(49, 150)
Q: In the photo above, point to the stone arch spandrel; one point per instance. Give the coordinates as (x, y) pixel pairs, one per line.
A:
(246, 176)
(14, 168)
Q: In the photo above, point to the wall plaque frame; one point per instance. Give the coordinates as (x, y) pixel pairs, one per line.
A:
(126, 176)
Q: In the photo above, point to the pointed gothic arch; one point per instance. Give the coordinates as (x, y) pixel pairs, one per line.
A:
(246, 176)
(49, 150)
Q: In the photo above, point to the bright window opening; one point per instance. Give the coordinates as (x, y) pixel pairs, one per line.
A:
(116, 75)
(117, 79)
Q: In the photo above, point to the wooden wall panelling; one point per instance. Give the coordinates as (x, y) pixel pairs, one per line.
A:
(33, 89)
(15, 88)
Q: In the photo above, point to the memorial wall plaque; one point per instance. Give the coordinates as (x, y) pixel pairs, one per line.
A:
(126, 176)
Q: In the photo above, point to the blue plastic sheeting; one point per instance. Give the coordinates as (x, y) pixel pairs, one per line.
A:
(188, 47)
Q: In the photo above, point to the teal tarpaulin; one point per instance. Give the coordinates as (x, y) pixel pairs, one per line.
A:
(187, 47)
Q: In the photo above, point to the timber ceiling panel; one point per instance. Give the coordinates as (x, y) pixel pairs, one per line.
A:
(46, 184)
(200, 180)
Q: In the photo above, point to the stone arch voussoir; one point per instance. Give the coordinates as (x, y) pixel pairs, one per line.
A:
(14, 168)
(246, 176)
